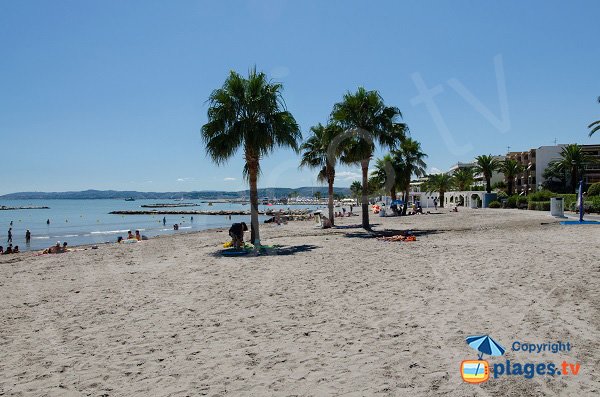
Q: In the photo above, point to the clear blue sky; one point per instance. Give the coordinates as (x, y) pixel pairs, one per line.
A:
(112, 94)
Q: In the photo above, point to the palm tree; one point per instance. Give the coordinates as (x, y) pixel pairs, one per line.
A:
(411, 159)
(356, 189)
(386, 174)
(464, 178)
(595, 126)
(248, 113)
(572, 162)
(316, 154)
(366, 120)
(486, 165)
(440, 183)
(510, 168)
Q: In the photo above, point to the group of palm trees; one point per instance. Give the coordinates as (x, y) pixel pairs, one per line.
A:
(464, 178)
(249, 113)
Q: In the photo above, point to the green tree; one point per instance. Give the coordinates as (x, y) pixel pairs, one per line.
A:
(510, 168)
(356, 190)
(386, 174)
(464, 178)
(572, 162)
(367, 120)
(440, 183)
(595, 126)
(320, 152)
(486, 165)
(248, 113)
(410, 159)
(317, 195)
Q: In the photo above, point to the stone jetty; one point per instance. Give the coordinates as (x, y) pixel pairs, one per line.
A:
(5, 208)
(168, 205)
(292, 213)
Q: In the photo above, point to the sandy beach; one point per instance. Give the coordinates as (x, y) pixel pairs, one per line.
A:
(335, 313)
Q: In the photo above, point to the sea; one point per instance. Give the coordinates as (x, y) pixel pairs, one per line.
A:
(82, 222)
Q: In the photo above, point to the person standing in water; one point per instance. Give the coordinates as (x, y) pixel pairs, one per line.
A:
(27, 237)
(9, 240)
(164, 220)
(48, 222)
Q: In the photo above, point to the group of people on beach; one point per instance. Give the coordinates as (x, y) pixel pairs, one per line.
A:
(57, 248)
(132, 237)
(9, 249)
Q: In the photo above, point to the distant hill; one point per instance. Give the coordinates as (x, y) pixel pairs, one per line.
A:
(276, 192)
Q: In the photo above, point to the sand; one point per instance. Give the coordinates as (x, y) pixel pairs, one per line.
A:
(336, 313)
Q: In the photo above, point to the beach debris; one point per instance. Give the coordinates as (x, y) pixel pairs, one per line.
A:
(398, 237)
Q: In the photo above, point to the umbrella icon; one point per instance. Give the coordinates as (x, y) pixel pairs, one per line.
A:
(485, 345)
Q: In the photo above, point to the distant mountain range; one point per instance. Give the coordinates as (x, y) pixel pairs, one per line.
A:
(276, 192)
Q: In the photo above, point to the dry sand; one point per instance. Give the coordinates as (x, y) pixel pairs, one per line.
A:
(336, 313)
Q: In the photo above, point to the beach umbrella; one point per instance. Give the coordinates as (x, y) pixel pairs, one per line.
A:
(485, 345)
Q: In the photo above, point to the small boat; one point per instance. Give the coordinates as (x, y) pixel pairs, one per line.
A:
(130, 199)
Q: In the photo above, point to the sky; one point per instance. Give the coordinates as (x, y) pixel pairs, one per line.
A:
(113, 94)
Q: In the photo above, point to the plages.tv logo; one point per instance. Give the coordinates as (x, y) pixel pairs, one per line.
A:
(478, 371)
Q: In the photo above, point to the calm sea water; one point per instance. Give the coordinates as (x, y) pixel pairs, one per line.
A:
(89, 222)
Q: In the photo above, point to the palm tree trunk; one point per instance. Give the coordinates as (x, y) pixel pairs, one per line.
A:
(488, 184)
(510, 186)
(330, 198)
(574, 180)
(365, 194)
(253, 176)
(441, 203)
(393, 193)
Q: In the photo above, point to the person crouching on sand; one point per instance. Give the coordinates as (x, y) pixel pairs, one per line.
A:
(236, 231)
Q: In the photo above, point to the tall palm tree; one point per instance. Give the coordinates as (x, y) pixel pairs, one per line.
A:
(464, 178)
(248, 113)
(367, 121)
(510, 168)
(572, 161)
(411, 159)
(595, 126)
(317, 154)
(486, 165)
(440, 183)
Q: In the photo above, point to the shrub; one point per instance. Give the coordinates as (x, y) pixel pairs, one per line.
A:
(502, 195)
(494, 204)
(539, 205)
(569, 200)
(542, 195)
(594, 190)
(591, 205)
(516, 201)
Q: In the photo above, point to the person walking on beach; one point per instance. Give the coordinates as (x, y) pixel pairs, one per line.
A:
(27, 237)
(435, 203)
(9, 240)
